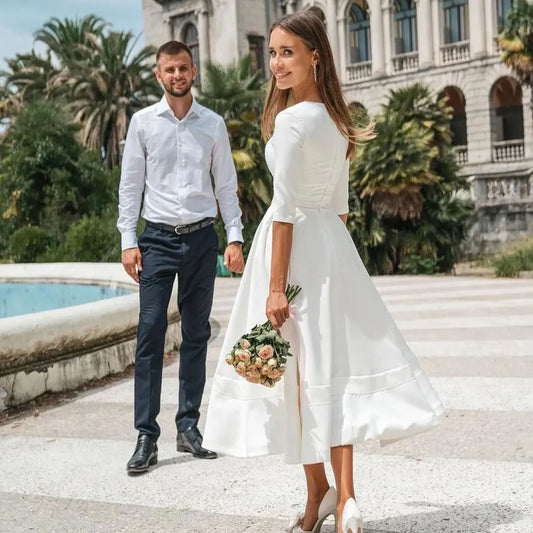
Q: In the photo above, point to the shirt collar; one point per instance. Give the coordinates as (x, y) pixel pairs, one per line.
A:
(163, 107)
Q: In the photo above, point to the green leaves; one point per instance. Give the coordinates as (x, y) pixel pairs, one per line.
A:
(404, 183)
(516, 41)
(92, 72)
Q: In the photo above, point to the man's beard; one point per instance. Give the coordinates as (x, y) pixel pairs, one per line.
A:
(178, 93)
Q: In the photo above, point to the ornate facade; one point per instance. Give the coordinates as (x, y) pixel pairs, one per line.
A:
(379, 45)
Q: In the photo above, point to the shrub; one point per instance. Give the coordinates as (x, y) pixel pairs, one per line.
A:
(92, 238)
(518, 259)
(28, 243)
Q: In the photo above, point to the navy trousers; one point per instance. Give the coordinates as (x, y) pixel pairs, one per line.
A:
(192, 257)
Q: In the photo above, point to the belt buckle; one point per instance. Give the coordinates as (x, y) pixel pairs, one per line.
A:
(178, 228)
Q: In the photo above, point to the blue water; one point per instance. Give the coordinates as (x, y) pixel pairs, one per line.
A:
(24, 298)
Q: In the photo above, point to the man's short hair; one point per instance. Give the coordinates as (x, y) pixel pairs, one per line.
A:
(172, 48)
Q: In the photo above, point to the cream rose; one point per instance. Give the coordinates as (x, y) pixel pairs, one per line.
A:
(266, 352)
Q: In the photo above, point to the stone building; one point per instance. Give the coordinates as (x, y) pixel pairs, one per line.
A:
(379, 45)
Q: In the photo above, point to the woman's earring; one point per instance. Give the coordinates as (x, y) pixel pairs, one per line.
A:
(315, 73)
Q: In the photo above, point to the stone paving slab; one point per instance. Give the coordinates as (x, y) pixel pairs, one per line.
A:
(64, 470)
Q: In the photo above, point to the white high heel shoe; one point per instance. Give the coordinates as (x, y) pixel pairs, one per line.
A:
(326, 508)
(352, 520)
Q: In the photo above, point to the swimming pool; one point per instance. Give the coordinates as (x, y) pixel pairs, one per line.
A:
(25, 297)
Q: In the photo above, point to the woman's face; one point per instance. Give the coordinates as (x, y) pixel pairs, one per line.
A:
(291, 62)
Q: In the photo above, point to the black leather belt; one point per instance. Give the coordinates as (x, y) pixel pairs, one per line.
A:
(182, 228)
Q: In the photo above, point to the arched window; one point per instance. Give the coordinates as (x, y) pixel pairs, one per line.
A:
(190, 38)
(507, 110)
(404, 19)
(507, 120)
(456, 100)
(455, 15)
(359, 32)
(502, 10)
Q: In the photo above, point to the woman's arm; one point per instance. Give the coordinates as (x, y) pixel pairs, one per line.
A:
(277, 308)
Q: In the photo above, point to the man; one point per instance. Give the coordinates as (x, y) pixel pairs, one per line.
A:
(172, 149)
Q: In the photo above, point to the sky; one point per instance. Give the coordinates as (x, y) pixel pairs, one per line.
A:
(20, 19)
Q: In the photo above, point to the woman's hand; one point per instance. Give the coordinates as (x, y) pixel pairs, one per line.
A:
(277, 309)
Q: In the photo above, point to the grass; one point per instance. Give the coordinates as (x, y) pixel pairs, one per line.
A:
(518, 258)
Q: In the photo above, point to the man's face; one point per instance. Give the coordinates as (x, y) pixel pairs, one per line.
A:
(176, 73)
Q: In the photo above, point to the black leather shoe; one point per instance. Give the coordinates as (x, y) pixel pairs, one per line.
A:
(144, 456)
(190, 441)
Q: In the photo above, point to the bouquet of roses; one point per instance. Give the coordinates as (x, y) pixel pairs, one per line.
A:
(260, 356)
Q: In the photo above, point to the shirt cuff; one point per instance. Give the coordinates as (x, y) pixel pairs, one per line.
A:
(233, 233)
(129, 239)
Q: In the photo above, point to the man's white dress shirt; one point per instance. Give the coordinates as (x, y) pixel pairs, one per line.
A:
(171, 161)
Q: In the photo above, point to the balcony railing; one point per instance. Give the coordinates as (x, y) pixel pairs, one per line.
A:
(405, 62)
(455, 52)
(461, 154)
(508, 150)
(359, 71)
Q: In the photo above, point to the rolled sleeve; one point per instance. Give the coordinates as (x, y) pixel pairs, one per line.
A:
(288, 141)
(339, 201)
(132, 181)
(225, 178)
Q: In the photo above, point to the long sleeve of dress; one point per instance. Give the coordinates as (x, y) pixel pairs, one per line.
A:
(288, 140)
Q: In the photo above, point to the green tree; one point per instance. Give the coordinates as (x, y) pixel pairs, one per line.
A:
(108, 87)
(236, 92)
(47, 179)
(516, 41)
(407, 210)
(93, 72)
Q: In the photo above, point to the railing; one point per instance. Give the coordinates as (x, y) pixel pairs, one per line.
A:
(507, 189)
(455, 52)
(508, 150)
(405, 62)
(461, 154)
(359, 71)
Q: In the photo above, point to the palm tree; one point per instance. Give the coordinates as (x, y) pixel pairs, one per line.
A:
(108, 87)
(236, 92)
(97, 75)
(516, 41)
(69, 40)
(406, 187)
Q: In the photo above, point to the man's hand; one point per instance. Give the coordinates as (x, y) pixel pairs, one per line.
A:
(233, 258)
(132, 261)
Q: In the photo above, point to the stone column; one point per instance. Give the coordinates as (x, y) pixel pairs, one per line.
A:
(203, 38)
(343, 48)
(376, 38)
(528, 122)
(476, 30)
(389, 51)
(436, 29)
(491, 29)
(424, 33)
(331, 21)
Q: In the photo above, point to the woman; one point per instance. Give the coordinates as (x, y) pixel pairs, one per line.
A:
(352, 377)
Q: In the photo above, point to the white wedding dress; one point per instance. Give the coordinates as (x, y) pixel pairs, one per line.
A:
(352, 376)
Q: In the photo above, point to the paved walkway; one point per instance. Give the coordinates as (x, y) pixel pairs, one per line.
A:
(65, 469)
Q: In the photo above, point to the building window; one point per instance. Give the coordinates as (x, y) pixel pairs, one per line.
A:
(502, 10)
(190, 38)
(359, 32)
(455, 14)
(456, 100)
(256, 47)
(404, 19)
(506, 110)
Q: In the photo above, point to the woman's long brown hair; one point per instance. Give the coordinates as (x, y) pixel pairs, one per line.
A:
(309, 26)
